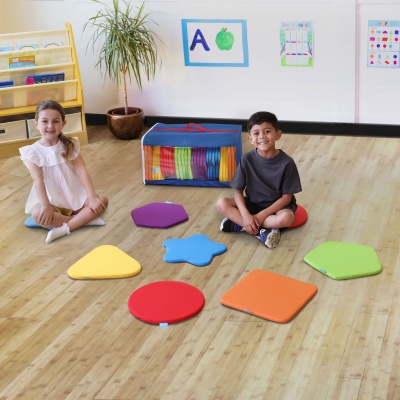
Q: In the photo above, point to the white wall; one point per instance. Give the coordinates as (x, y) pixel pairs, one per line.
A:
(338, 88)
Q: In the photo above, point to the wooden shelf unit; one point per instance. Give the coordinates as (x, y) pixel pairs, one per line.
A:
(18, 103)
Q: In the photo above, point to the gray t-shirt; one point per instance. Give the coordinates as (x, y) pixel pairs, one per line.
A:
(265, 180)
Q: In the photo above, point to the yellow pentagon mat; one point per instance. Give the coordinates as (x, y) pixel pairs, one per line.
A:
(104, 262)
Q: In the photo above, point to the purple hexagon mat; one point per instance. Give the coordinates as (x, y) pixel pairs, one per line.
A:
(159, 215)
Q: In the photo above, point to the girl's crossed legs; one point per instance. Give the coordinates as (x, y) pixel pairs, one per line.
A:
(65, 221)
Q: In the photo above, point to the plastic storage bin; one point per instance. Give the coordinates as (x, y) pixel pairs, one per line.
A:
(31, 95)
(49, 56)
(39, 38)
(19, 75)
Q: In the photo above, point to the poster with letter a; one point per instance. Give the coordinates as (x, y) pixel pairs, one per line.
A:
(296, 44)
(215, 42)
(383, 44)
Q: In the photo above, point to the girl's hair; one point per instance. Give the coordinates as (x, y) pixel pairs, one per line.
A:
(69, 145)
(260, 117)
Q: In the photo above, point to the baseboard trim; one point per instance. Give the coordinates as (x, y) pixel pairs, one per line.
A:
(299, 127)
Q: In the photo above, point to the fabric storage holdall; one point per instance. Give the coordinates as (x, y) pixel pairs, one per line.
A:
(191, 154)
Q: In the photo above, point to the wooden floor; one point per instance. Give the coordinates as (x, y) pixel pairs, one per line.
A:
(67, 339)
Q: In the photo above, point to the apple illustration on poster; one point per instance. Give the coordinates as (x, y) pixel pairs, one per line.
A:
(224, 39)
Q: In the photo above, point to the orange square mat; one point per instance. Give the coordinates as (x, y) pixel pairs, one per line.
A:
(269, 295)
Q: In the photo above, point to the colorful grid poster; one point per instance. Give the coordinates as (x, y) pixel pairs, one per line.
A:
(296, 44)
(383, 44)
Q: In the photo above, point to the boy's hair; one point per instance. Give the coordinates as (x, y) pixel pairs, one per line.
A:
(260, 117)
(69, 145)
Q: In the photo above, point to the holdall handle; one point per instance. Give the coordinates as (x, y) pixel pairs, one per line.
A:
(193, 127)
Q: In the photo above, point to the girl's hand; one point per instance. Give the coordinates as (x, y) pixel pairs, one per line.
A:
(96, 206)
(46, 215)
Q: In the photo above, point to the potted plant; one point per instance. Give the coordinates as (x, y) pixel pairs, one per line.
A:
(128, 49)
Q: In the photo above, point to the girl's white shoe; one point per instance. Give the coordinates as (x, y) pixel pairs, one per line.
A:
(97, 221)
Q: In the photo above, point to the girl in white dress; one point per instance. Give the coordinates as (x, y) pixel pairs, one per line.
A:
(62, 197)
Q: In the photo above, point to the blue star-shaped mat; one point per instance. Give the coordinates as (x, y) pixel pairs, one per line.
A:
(30, 223)
(197, 249)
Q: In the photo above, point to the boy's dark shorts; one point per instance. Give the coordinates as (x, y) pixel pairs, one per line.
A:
(256, 208)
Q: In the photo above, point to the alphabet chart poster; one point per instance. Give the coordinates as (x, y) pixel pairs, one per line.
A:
(383, 44)
(215, 42)
(296, 44)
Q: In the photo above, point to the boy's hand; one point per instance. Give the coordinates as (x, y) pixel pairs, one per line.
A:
(260, 219)
(250, 224)
(46, 215)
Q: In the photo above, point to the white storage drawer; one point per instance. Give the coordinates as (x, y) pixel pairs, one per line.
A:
(14, 130)
(74, 124)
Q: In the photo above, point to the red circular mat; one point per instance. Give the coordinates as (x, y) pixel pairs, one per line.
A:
(166, 302)
(300, 217)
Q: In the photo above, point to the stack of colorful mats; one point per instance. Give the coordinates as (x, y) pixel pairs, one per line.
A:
(199, 163)
(191, 154)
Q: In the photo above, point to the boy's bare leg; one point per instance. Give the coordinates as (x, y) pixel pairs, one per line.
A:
(227, 207)
(282, 219)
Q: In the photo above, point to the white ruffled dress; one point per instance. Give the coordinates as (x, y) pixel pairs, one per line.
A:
(63, 186)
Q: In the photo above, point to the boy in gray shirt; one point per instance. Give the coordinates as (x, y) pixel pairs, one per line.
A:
(264, 185)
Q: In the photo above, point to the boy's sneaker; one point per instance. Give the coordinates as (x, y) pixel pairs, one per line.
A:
(229, 226)
(270, 237)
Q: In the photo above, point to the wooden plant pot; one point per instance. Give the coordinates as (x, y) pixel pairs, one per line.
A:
(128, 126)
